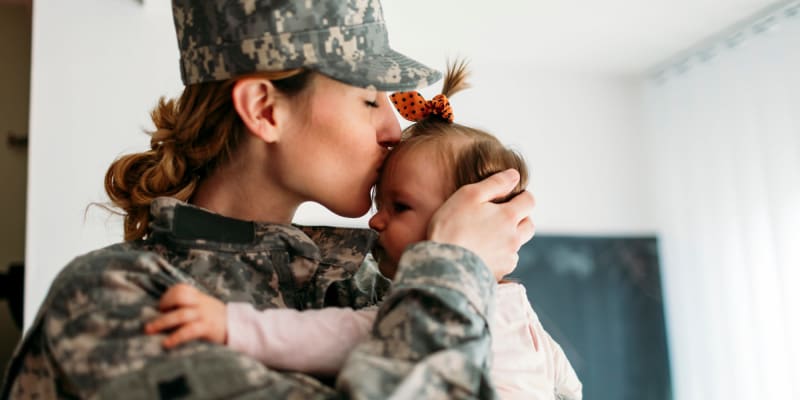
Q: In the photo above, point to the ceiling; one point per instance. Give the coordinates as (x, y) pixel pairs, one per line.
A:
(609, 36)
(625, 37)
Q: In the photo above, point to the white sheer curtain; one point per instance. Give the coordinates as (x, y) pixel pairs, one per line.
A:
(724, 144)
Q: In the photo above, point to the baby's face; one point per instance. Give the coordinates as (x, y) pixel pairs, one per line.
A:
(411, 189)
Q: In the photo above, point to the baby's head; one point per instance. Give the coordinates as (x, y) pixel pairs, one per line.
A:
(434, 158)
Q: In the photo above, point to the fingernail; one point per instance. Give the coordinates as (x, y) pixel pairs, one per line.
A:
(511, 174)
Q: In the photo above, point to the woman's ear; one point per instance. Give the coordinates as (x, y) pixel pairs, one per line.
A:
(254, 99)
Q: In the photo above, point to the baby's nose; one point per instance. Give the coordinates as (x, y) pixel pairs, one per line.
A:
(377, 222)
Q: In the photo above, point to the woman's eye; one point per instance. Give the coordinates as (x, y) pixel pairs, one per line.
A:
(373, 104)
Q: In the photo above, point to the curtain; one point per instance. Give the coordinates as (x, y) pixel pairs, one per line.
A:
(723, 143)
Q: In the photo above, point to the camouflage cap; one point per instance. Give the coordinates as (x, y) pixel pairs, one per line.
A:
(343, 39)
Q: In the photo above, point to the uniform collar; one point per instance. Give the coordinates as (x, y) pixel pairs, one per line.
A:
(181, 222)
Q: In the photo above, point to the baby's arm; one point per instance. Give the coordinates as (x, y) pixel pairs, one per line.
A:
(568, 386)
(527, 358)
(312, 341)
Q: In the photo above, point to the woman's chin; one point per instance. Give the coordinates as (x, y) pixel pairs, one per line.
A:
(352, 210)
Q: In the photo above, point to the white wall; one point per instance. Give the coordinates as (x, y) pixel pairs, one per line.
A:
(96, 75)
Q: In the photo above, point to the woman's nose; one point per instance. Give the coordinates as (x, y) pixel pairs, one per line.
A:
(388, 133)
(378, 221)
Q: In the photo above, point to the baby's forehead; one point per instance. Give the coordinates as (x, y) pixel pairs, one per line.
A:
(422, 153)
(429, 160)
(438, 151)
(389, 171)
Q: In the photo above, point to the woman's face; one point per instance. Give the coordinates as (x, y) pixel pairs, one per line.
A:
(337, 145)
(411, 189)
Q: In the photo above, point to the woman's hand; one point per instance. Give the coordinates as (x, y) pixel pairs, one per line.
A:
(495, 232)
(191, 315)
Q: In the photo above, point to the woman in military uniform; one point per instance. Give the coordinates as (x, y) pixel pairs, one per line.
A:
(284, 103)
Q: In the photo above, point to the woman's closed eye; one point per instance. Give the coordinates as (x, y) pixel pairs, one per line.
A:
(373, 104)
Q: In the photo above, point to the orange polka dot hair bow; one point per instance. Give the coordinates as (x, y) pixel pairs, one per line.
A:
(413, 107)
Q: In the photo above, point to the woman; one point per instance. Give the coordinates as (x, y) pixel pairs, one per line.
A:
(283, 104)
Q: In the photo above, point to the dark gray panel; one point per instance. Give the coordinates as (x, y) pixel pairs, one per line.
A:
(600, 299)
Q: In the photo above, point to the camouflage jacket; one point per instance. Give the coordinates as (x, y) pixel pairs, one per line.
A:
(430, 339)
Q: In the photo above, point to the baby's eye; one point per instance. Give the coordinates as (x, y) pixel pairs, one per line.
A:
(373, 104)
(400, 207)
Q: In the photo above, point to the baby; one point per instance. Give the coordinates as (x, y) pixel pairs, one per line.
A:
(434, 158)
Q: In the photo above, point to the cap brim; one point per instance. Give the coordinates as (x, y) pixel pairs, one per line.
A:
(389, 72)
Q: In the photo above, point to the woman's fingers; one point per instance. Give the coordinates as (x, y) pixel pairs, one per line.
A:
(495, 186)
(521, 206)
(525, 230)
(172, 320)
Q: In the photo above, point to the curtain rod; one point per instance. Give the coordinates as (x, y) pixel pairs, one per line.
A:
(732, 36)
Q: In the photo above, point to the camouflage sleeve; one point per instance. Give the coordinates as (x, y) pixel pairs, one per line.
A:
(368, 286)
(430, 340)
(90, 336)
(431, 337)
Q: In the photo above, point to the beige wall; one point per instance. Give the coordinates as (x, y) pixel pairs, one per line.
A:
(15, 48)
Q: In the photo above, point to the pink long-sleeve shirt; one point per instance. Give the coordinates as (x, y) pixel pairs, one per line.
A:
(527, 362)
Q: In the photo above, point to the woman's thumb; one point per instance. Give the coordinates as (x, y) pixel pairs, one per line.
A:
(498, 185)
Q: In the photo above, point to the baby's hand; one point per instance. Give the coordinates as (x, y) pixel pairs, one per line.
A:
(191, 315)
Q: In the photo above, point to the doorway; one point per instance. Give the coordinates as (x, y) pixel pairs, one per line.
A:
(15, 71)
